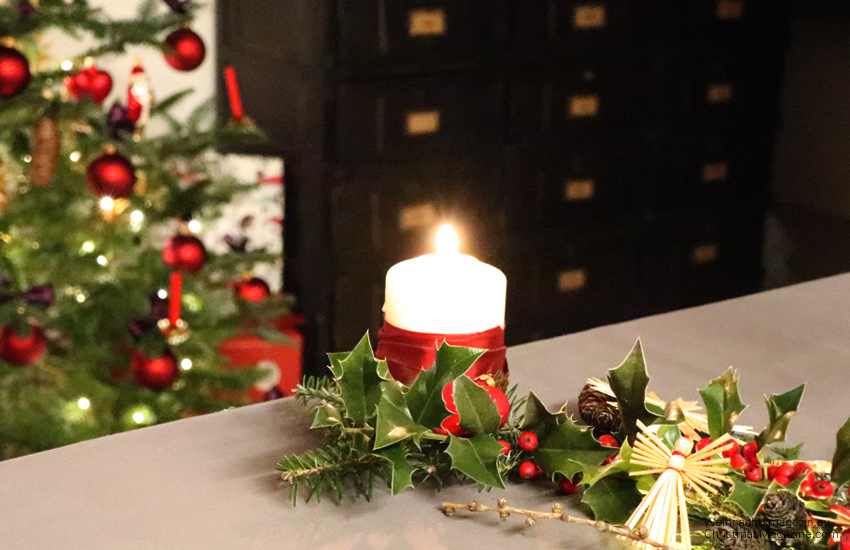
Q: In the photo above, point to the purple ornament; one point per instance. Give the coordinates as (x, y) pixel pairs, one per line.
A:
(119, 122)
(178, 6)
(25, 8)
(40, 295)
(158, 310)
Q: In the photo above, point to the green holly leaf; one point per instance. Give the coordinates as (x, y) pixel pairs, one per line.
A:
(326, 416)
(394, 421)
(359, 376)
(787, 453)
(478, 413)
(612, 499)
(425, 397)
(669, 434)
(568, 449)
(477, 457)
(402, 471)
(746, 496)
(722, 403)
(841, 457)
(537, 414)
(618, 466)
(629, 382)
(780, 409)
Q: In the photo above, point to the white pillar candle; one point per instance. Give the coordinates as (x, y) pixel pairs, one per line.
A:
(445, 292)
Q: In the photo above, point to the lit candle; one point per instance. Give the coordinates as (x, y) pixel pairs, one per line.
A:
(233, 92)
(446, 292)
(175, 295)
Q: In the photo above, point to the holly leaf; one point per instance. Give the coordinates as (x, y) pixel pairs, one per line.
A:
(622, 465)
(359, 376)
(669, 434)
(612, 499)
(478, 413)
(326, 416)
(780, 409)
(425, 397)
(722, 403)
(841, 457)
(477, 457)
(747, 497)
(568, 449)
(537, 414)
(629, 382)
(787, 453)
(394, 421)
(402, 471)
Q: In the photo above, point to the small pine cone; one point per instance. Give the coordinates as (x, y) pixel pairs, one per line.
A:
(595, 409)
(784, 512)
(729, 538)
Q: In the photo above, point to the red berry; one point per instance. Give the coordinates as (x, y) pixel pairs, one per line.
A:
(750, 452)
(732, 450)
(506, 447)
(737, 462)
(527, 442)
(807, 488)
(786, 470)
(771, 472)
(753, 472)
(801, 468)
(571, 486)
(528, 470)
(449, 398)
(782, 480)
(822, 489)
(452, 425)
(608, 440)
(703, 443)
(611, 459)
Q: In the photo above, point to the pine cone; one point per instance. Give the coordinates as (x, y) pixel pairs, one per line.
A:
(785, 512)
(595, 409)
(728, 538)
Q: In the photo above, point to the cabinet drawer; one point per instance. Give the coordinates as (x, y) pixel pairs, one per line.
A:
(420, 34)
(418, 117)
(357, 302)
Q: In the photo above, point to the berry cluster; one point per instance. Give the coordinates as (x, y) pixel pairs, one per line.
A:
(811, 487)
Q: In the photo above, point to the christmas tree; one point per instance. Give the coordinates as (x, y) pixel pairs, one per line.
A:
(111, 309)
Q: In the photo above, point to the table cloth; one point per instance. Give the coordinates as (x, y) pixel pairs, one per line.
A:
(209, 482)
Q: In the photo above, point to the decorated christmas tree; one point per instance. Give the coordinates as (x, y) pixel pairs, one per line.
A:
(111, 308)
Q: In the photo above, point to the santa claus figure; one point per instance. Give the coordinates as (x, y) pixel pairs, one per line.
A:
(139, 99)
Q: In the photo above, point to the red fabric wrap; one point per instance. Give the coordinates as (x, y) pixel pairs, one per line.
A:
(409, 352)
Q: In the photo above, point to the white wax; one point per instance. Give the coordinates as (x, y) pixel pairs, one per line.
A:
(445, 293)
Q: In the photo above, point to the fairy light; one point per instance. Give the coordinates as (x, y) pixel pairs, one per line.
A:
(88, 246)
(107, 204)
(186, 364)
(84, 403)
(81, 297)
(101, 260)
(28, 158)
(137, 217)
(162, 294)
(74, 156)
(194, 226)
(67, 65)
(139, 417)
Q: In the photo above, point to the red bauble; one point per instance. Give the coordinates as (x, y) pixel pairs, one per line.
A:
(157, 373)
(186, 50)
(111, 175)
(14, 72)
(253, 290)
(185, 253)
(90, 82)
(22, 350)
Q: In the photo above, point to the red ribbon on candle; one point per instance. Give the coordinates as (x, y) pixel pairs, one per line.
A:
(233, 92)
(409, 352)
(174, 295)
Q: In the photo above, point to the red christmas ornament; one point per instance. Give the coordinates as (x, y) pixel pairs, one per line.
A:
(186, 50)
(527, 442)
(157, 373)
(22, 349)
(90, 82)
(252, 289)
(14, 72)
(185, 252)
(111, 175)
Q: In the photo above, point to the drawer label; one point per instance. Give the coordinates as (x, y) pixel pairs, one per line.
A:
(720, 92)
(705, 254)
(715, 171)
(572, 280)
(730, 9)
(417, 216)
(427, 22)
(579, 190)
(590, 16)
(583, 106)
(423, 122)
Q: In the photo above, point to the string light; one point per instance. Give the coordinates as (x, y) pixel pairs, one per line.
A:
(88, 246)
(106, 203)
(74, 156)
(137, 216)
(194, 226)
(84, 403)
(139, 417)
(81, 297)
(67, 65)
(186, 364)
(102, 260)
(162, 293)
(28, 158)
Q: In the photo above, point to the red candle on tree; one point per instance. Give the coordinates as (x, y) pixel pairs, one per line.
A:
(174, 304)
(233, 92)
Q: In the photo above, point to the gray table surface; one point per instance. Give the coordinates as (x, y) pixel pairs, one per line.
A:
(209, 482)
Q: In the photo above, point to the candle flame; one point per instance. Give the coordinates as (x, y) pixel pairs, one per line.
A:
(447, 239)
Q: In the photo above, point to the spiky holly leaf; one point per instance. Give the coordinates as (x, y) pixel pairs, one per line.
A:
(722, 403)
(841, 457)
(477, 457)
(612, 499)
(359, 376)
(402, 472)
(629, 382)
(669, 434)
(478, 413)
(622, 465)
(394, 421)
(425, 397)
(326, 416)
(787, 453)
(780, 409)
(536, 413)
(568, 449)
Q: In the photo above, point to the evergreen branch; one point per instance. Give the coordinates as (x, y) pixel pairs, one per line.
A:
(319, 388)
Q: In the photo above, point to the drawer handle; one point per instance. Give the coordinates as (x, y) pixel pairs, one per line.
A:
(720, 92)
(427, 22)
(579, 190)
(730, 9)
(583, 106)
(705, 254)
(423, 122)
(591, 16)
(715, 171)
(417, 216)
(572, 280)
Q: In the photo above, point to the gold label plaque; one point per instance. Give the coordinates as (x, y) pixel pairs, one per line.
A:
(417, 216)
(579, 190)
(427, 22)
(715, 171)
(423, 122)
(583, 106)
(590, 16)
(720, 92)
(705, 254)
(572, 280)
(730, 9)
